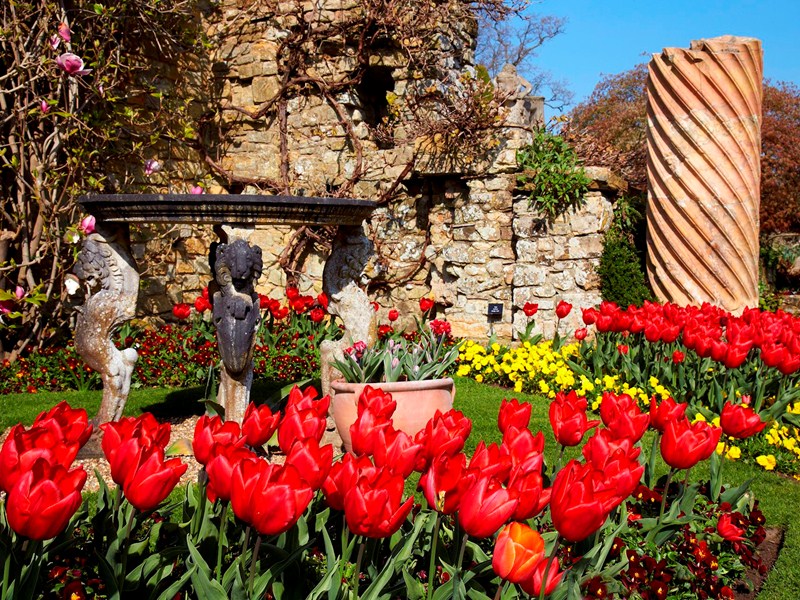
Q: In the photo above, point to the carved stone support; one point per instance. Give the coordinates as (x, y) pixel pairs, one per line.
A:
(703, 144)
(236, 313)
(350, 265)
(111, 283)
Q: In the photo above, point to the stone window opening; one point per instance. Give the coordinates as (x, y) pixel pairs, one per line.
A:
(376, 82)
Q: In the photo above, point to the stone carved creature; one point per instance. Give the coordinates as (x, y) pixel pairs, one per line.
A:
(351, 264)
(237, 266)
(111, 282)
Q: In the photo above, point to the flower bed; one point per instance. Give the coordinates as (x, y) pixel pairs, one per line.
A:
(497, 521)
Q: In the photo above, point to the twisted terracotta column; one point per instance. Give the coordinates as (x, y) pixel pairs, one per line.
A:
(703, 172)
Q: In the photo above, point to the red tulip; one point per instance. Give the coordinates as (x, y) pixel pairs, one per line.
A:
(563, 309)
(70, 425)
(292, 293)
(322, 300)
(490, 461)
(580, 334)
(182, 310)
(144, 427)
(533, 497)
(220, 469)
(299, 426)
(202, 304)
(259, 424)
(739, 421)
(23, 448)
(533, 586)
(443, 434)
(270, 498)
(397, 451)
(530, 309)
(616, 478)
(439, 483)
(373, 507)
(599, 448)
(517, 551)
(589, 315)
(568, 418)
(312, 461)
(728, 530)
(316, 315)
(576, 511)
(377, 401)
(305, 400)
(426, 304)
(342, 476)
(514, 412)
(678, 357)
(665, 412)
(524, 448)
(622, 416)
(485, 506)
(211, 431)
(622, 348)
(43, 500)
(683, 445)
(150, 479)
(365, 429)
(394, 314)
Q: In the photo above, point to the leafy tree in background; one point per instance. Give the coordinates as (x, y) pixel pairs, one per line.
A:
(609, 129)
(780, 158)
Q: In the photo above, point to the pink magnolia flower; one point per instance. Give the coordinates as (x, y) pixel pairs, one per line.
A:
(87, 224)
(72, 64)
(64, 33)
(19, 292)
(151, 165)
(54, 41)
(197, 190)
(44, 106)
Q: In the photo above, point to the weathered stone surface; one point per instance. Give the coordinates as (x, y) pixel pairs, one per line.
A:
(704, 132)
(111, 281)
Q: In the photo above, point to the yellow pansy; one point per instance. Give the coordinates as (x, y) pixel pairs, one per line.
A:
(768, 462)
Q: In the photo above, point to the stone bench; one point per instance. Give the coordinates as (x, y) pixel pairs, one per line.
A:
(110, 278)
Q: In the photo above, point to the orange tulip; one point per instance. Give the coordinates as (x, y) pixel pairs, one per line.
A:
(517, 552)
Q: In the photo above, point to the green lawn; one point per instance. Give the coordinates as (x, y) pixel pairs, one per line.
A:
(779, 497)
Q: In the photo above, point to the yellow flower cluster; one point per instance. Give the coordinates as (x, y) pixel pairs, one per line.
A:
(611, 383)
(784, 437)
(529, 368)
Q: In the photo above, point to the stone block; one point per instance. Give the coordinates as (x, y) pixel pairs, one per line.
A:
(529, 275)
(585, 246)
(264, 89)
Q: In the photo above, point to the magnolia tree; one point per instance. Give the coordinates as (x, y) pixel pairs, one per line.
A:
(79, 92)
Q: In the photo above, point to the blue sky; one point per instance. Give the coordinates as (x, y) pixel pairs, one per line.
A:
(611, 36)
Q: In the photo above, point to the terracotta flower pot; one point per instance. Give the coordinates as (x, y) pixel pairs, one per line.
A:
(417, 402)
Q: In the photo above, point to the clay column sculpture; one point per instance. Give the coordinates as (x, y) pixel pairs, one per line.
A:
(703, 171)
(236, 313)
(111, 284)
(349, 266)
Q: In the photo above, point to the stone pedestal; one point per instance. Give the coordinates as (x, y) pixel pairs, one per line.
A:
(703, 171)
(111, 283)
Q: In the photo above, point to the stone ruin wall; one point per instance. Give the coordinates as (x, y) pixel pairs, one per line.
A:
(458, 233)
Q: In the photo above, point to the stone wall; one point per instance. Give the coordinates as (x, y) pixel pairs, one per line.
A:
(454, 229)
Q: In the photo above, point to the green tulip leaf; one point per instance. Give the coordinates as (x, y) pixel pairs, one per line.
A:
(175, 588)
(398, 559)
(330, 584)
(108, 574)
(414, 588)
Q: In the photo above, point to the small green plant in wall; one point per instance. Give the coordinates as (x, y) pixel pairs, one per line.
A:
(551, 175)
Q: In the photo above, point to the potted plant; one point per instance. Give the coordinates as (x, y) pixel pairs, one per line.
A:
(410, 368)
